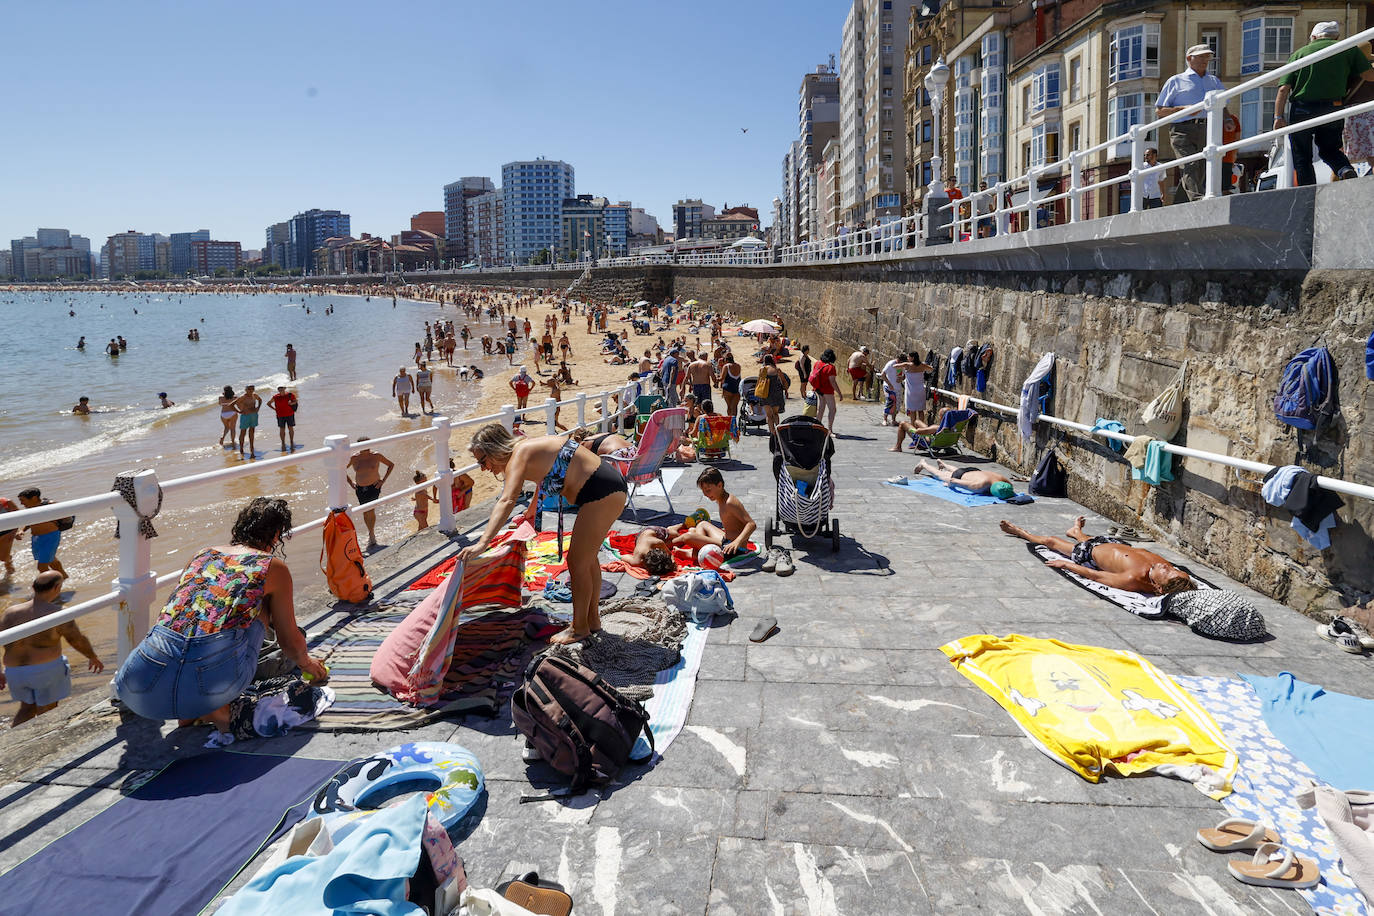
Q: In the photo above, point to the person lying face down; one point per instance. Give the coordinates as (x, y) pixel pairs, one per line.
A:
(970, 479)
(1111, 561)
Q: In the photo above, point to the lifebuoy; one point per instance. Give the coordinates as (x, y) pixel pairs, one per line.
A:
(448, 774)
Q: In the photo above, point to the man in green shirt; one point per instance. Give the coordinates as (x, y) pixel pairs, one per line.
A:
(1319, 89)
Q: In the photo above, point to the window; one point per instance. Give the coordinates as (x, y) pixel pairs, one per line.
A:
(1212, 39)
(1075, 135)
(1126, 111)
(887, 4)
(1265, 42)
(1044, 145)
(1025, 102)
(1075, 79)
(925, 55)
(1134, 53)
(887, 71)
(1025, 157)
(887, 93)
(1045, 88)
(925, 132)
(887, 136)
(925, 173)
(887, 27)
(1257, 110)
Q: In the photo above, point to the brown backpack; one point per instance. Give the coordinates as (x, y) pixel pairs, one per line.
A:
(580, 725)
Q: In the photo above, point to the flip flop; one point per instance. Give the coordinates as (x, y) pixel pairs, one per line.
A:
(545, 899)
(1236, 834)
(764, 629)
(1289, 871)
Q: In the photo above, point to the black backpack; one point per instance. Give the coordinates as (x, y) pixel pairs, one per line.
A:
(1050, 479)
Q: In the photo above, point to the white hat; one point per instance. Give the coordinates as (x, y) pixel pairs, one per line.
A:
(1195, 50)
(1326, 30)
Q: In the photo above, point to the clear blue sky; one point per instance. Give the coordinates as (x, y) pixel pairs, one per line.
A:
(167, 117)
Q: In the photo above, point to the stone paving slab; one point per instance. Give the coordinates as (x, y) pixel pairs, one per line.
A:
(843, 766)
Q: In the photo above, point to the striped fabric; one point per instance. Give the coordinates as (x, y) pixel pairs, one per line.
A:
(673, 691)
(541, 562)
(662, 433)
(806, 511)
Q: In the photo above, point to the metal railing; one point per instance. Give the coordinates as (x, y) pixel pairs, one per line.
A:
(136, 585)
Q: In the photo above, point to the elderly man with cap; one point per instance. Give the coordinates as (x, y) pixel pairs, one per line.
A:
(1319, 89)
(1189, 135)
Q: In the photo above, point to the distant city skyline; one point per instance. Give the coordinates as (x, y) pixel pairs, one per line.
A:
(285, 110)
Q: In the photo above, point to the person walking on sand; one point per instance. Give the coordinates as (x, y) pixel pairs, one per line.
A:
(401, 386)
(422, 499)
(466, 335)
(424, 386)
(290, 363)
(367, 482)
(36, 672)
(248, 406)
(228, 414)
(522, 385)
(44, 537)
(284, 404)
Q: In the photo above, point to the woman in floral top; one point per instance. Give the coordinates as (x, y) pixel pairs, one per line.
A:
(204, 648)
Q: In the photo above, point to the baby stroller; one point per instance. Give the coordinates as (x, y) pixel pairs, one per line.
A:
(806, 491)
(750, 406)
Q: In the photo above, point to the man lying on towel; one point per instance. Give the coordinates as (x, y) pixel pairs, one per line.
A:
(1111, 561)
(969, 479)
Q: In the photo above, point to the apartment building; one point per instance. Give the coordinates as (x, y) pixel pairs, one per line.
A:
(688, 215)
(886, 27)
(818, 122)
(534, 191)
(456, 197)
(486, 229)
(788, 230)
(853, 139)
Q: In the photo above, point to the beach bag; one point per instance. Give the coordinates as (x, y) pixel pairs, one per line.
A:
(580, 725)
(1163, 416)
(699, 595)
(761, 387)
(1050, 479)
(342, 560)
(1307, 395)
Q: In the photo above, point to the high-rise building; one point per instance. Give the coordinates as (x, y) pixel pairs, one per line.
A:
(486, 232)
(428, 221)
(207, 255)
(121, 254)
(308, 232)
(687, 218)
(583, 233)
(618, 228)
(886, 26)
(17, 249)
(180, 250)
(6, 264)
(54, 238)
(787, 229)
(818, 121)
(534, 192)
(456, 196)
(278, 242)
(853, 137)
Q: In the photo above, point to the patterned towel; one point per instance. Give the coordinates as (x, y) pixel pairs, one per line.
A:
(541, 562)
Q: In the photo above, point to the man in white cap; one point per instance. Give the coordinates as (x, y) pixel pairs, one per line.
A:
(1316, 90)
(1189, 135)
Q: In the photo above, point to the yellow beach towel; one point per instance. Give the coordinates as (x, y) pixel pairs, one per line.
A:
(1095, 709)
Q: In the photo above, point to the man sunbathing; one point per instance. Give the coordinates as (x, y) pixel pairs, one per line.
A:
(970, 479)
(907, 428)
(737, 524)
(1110, 561)
(653, 551)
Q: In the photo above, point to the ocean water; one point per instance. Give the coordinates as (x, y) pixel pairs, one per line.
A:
(345, 365)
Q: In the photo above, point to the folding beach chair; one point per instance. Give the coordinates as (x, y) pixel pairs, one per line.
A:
(945, 440)
(645, 405)
(662, 433)
(714, 435)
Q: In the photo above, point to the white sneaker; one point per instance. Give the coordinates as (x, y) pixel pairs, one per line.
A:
(1354, 627)
(1339, 632)
(784, 565)
(770, 562)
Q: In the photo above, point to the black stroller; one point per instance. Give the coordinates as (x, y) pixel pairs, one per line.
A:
(750, 406)
(806, 490)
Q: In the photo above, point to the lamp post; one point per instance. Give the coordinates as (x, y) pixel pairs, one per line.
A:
(936, 219)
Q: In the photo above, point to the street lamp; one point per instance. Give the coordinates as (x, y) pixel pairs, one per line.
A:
(935, 82)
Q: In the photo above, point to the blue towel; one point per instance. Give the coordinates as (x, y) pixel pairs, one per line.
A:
(932, 487)
(1111, 426)
(1328, 731)
(1159, 465)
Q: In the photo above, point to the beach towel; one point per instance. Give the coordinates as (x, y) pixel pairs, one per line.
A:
(541, 560)
(1148, 606)
(622, 547)
(1030, 396)
(1328, 731)
(173, 843)
(929, 486)
(673, 691)
(1269, 777)
(1098, 710)
(639, 638)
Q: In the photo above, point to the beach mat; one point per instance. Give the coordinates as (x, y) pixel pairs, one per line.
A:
(170, 846)
(673, 691)
(929, 486)
(1265, 783)
(1151, 607)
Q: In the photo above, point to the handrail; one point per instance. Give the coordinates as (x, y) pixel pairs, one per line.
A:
(1334, 484)
(136, 586)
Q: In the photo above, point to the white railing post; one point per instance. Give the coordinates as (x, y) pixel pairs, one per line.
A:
(1075, 182)
(1033, 198)
(337, 463)
(1137, 157)
(137, 583)
(1001, 217)
(508, 417)
(442, 428)
(1214, 140)
(550, 411)
(582, 410)
(605, 425)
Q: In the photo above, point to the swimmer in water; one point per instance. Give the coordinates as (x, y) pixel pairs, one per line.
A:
(162, 399)
(81, 344)
(82, 406)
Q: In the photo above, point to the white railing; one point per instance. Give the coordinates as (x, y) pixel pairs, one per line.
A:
(135, 588)
(1334, 484)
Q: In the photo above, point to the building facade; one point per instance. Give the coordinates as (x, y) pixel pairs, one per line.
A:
(48, 254)
(818, 122)
(456, 197)
(883, 190)
(788, 229)
(179, 248)
(534, 191)
(688, 216)
(308, 231)
(730, 226)
(617, 218)
(276, 250)
(429, 221)
(853, 140)
(208, 255)
(486, 238)
(583, 232)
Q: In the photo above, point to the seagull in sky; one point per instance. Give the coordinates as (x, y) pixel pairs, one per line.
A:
(744, 130)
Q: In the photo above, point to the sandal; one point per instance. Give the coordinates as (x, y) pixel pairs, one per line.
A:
(1262, 870)
(1236, 834)
(546, 899)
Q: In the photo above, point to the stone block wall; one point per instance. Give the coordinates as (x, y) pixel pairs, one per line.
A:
(1119, 338)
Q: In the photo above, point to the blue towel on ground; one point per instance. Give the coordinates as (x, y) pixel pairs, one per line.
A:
(932, 487)
(1328, 731)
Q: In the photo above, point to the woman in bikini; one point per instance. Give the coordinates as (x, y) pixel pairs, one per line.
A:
(729, 384)
(560, 467)
(228, 414)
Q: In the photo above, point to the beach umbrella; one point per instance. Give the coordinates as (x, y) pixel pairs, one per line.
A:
(691, 302)
(748, 242)
(760, 326)
(640, 304)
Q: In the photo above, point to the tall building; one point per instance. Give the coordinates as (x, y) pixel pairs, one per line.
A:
(278, 243)
(885, 40)
(180, 249)
(207, 255)
(787, 229)
(687, 218)
(533, 192)
(51, 253)
(853, 137)
(17, 249)
(486, 231)
(54, 238)
(828, 191)
(818, 121)
(6, 263)
(123, 254)
(456, 196)
(618, 228)
(308, 232)
(583, 232)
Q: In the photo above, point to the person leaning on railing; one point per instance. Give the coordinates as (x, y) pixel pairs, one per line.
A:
(1189, 135)
(1319, 89)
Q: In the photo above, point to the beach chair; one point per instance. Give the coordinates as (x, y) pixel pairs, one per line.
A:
(645, 405)
(945, 440)
(714, 435)
(662, 433)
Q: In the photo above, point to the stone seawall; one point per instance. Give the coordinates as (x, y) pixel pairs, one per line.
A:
(1119, 338)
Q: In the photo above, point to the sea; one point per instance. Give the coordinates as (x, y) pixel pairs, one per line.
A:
(349, 347)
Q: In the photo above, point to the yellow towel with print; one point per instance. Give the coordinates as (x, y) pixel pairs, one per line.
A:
(1095, 709)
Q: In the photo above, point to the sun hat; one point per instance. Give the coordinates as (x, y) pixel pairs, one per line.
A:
(1195, 50)
(1217, 613)
(1329, 29)
(1002, 490)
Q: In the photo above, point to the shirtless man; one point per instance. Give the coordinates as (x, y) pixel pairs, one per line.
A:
(248, 405)
(737, 523)
(1110, 561)
(82, 406)
(700, 377)
(859, 367)
(424, 386)
(290, 363)
(36, 672)
(367, 482)
(7, 538)
(912, 428)
(971, 480)
(401, 386)
(653, 551)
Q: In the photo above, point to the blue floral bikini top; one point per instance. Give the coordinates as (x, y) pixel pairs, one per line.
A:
(552, 484)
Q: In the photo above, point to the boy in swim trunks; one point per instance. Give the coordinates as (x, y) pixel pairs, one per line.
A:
(367, 483)
(248, 406)
(36, 672)
(284, 405)
(736, 524)
(44, 537)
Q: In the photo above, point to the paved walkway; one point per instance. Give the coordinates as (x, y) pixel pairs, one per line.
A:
(841, 767)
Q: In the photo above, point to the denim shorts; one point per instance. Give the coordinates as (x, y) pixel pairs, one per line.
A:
(171, 676)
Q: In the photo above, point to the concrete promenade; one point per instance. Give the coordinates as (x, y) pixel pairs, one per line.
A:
(843, 766)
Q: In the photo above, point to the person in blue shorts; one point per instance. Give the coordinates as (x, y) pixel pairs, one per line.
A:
(44, 537)
(36, 671)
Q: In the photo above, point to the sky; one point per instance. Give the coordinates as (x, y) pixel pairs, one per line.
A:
(169, 117)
